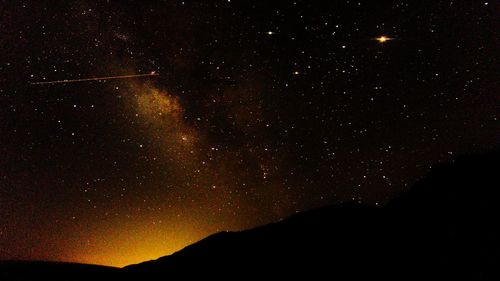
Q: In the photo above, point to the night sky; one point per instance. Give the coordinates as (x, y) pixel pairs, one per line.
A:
(260, 109)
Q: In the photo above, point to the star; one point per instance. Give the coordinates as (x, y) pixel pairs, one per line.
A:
(382, 39)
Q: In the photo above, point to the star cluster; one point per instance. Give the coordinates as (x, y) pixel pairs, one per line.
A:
(260, 109)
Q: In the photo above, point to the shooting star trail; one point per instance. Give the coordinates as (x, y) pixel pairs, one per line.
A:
(94, 79)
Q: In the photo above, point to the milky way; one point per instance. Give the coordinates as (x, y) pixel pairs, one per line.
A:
(261, 109)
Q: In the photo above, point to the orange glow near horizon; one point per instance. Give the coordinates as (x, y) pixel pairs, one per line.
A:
(139, 250)
(133, 242)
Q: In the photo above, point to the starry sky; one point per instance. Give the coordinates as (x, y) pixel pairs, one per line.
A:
(260, 109)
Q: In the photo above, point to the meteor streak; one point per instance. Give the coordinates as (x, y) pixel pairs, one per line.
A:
(153, 73)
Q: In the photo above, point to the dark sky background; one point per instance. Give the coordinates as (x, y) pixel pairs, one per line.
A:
(260, 109)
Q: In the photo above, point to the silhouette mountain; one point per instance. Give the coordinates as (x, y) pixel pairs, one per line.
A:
(41, 270)
(445, 227)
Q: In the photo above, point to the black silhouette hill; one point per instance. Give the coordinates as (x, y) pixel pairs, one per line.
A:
(42, 270)
(443, 228)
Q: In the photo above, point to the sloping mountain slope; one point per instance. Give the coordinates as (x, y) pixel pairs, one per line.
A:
(444, 227)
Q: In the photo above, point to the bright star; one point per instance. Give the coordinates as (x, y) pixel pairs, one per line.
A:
(383, 39)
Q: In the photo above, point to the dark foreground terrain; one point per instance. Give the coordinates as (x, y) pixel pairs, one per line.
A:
(40, 270)
(446, 227)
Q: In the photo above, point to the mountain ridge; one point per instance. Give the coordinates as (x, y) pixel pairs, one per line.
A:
(428, 226)
(445, 226)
